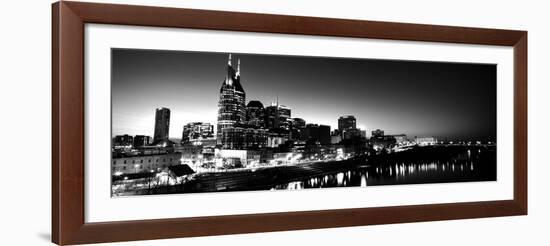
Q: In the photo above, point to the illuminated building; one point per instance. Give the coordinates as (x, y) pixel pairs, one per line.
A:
(400, 139)
(255, 114)
(162, 125)
(196, 132)
(144, 163)
(277, 117)
(275, 139)
(231, 104)
(335, 138)
(237, 158)
(425, 141)
(242, 137)
(197, 156)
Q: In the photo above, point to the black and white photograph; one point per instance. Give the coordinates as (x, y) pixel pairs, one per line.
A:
(194, 122)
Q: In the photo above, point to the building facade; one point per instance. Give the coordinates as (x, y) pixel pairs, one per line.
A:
(353, 133)
(237, 158)
(242, 137)
(297, 127)
(255, 114)
(425, 141)
(346, 122)
(277, 117)
(142, 140)
(144, 163)
(123, 141)
(196, 131)
(231, 104)
(320, 133)
(162, 125)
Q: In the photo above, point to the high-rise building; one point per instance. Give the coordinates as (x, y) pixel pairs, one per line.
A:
(162, 125)
(255, 114)
(197, 131)
(353, 133)
(346, 122)
(317, 132)
(231, 105)
(141, 140)
(242, 137)
(297, 127)
(277, 117)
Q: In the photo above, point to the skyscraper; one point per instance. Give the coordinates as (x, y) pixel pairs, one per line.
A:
(317, 132)
(297, 127)
(162, 125)
(255, 114)
(231, 105)
(277, 117)
(346, 122)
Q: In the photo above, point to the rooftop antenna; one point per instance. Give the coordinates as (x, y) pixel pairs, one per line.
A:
(239, 67)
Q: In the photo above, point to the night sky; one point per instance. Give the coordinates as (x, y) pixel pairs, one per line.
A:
(454, 101)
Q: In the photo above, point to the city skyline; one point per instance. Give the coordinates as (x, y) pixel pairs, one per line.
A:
(379, 93)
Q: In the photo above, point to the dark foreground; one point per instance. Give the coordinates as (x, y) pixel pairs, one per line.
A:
(435, 164)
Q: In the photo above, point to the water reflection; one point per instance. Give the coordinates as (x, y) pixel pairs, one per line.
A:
(456, 170)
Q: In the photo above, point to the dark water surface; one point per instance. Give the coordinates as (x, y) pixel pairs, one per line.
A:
(470, 164)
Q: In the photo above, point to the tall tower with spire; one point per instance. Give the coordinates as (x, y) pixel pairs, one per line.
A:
(231, 104)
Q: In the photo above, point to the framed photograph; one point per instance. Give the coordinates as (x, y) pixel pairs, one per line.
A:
(174, 122)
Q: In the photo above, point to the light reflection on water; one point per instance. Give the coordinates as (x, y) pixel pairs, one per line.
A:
(398, 173)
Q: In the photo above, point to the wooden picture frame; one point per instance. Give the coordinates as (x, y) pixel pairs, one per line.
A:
(68, 223)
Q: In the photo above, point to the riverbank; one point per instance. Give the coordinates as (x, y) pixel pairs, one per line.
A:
(382, 167)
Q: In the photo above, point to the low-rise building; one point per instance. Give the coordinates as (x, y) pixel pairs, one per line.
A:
(237, 158)
(144, 163)
(425, 141)
(123, 141)
(142, 140)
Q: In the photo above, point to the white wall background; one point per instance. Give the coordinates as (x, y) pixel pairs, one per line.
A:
(25, 122)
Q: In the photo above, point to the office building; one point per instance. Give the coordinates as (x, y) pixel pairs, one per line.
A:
(320, 133)
(162, 125)
(231, 104)
(255, 114)
(197, 131)
(346, 122)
